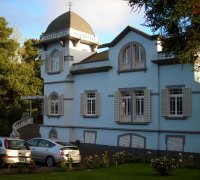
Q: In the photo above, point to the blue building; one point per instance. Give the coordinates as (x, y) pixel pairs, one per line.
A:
(130, 95)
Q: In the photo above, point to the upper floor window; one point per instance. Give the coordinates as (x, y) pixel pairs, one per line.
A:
(53, 104)
(90, 104)
(132, 105)
(54, 62)
(132, 57)
(175, 102)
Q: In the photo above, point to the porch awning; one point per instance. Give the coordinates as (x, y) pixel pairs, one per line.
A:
(37, 97)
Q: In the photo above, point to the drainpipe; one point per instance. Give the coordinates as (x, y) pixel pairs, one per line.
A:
(30, 108)
(158, 141)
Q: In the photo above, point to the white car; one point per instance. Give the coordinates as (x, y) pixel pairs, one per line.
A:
(53, 151)
(13, 150)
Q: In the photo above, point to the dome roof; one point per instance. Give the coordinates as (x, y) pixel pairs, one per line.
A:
(69, 20)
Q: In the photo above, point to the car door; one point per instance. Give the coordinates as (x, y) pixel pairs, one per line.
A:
(33, 146)
(44, 149)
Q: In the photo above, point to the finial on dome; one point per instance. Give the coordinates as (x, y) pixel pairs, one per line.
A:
(69, 4)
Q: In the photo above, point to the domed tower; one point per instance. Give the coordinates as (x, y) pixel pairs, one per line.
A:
(67, 40)
(70, 36)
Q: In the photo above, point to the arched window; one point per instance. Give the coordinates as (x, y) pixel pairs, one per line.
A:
(53, 133)
(132, 56)
(53, 103)
(55, 61)
(132, 140)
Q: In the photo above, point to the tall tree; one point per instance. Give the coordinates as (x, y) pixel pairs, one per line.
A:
(178, 21)
(16, 79)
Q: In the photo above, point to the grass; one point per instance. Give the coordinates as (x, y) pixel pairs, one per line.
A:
(137, 171)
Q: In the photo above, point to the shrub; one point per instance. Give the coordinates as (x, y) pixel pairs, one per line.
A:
(164, 166)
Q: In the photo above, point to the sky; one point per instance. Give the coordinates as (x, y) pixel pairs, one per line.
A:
(106, 17)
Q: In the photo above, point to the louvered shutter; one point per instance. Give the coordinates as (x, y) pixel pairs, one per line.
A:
(90, 137)
(46, 105)
(47, 63)
(124, 141)
(137, 142)
(117, 106)
(98, 104)
(147, 105)
(83, 104)
(187, 102)
(175, 144)
(61, 61)
(164, 102)
(61, 105)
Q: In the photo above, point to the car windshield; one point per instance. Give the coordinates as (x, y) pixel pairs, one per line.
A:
(15, 144)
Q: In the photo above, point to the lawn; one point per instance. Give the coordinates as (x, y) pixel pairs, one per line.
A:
(136, 171)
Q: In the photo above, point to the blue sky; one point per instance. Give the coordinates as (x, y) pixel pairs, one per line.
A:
(107, 17)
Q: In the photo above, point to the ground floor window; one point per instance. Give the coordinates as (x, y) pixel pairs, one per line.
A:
(90, 137)
(175, 143)
(132, 140)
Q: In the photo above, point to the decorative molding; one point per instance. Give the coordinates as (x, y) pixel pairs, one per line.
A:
(59, 82)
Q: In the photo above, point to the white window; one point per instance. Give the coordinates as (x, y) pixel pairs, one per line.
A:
(53, 105)
(132, 106)
(175, 143)
(131, 140)
(175, 102)
(132, 56)
(54, 62)
(90, 104)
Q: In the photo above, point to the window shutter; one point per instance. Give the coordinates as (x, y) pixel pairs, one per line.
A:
(137, 142)
(147, 105)
(124, 141)
(164, 102)
(98, 104)
(46, 106)
(48, 63)
(61, 105)
(90, 137)
(117, 106)
(175, 144)
(83, 104)
(61, 61)
(186, 101)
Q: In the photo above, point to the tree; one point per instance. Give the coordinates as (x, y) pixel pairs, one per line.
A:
(178, 22)
(17, 79)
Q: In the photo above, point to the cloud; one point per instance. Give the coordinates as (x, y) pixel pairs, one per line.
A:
(106, 17)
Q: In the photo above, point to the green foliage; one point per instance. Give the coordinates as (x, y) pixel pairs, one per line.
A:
(178, 21)
(164, 166)
(17, 78)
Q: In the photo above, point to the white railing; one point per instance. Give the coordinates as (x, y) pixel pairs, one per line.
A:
(19, 124)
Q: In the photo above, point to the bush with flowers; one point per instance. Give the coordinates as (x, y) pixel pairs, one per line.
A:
(164, 166)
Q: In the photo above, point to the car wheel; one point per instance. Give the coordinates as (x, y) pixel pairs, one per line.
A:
(50, 161)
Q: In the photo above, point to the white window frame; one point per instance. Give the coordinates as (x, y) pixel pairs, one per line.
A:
(54, 104)
(132, 57)
(90, 106)
(185, 98)
(134, 108)
(55, 61)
